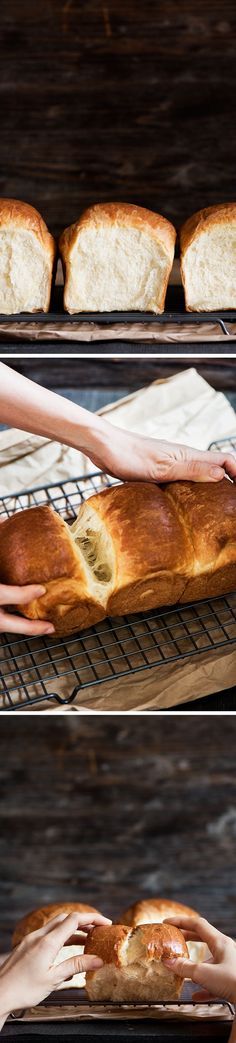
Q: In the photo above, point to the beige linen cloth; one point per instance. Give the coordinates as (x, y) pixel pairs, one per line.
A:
(183, 409)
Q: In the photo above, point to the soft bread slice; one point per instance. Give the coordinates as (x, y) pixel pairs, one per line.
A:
(208, 258)
(27, 255)
(132, 963)
(38, 917)
(155, 910)
(117, 257)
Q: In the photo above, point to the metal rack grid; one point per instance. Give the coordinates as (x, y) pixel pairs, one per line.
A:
(225, 445)
(33, 670)
(111, 1005)
(174, 313)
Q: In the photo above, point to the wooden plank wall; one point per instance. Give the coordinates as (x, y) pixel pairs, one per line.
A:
(107, 810)
(104, 99)
(123, 374)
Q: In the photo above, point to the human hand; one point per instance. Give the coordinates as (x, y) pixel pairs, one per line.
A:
(131, 456)
(218, 974)
(30, 974)
(21, 596)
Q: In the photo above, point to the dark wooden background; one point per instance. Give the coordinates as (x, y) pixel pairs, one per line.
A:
(121, 375)
(107, 810)
(118, 100)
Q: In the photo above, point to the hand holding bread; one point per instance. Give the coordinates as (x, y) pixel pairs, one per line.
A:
(32, 972)
(20, 596)
(136, 457)
(217, 976)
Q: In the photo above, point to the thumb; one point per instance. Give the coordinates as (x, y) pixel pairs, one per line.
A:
(20, 595)
(185, 969)
(75, 965)
(198, 470)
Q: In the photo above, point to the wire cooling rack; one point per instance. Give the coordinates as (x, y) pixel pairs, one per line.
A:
(127, 1007)
(36, 669)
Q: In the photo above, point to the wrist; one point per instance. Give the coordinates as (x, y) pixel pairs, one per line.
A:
(5, 998)
(3, 1018)
(88, 433)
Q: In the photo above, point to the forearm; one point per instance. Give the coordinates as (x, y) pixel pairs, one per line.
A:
(29, 407)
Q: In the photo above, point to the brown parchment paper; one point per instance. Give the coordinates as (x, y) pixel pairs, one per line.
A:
(94, 333)
(217, 1012)
(158, 688)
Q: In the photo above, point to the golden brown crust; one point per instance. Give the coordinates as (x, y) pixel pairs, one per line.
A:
(38, 917)
(14, 211)
(162, 907)
(221, 213)
(121, 214)
(160, 941)
(208, 512)
(107, 942)
(145, 530)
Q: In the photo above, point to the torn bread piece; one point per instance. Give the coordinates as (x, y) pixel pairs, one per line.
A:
(133, 968)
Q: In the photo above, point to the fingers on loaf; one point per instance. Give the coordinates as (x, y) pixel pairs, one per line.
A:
(39, 917)
(155, 910)
(117, 257)
(132, 548)
(132, 962)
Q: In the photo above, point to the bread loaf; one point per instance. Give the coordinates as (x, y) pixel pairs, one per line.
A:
(132, 548)
(208, 258)
(27, 254)
(132, 963)
(38, 917)
(117, 257)
(155, 910)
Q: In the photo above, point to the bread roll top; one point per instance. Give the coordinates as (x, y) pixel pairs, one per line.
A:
(154, 910)
(14, 213)
(207, 218)
(36, 543)
(123, 946)
(119, 214)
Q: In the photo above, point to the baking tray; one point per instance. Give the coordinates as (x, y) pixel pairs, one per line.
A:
(32, 670)
(174, 314)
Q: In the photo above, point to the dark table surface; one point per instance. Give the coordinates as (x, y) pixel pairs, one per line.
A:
(113, 1031)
